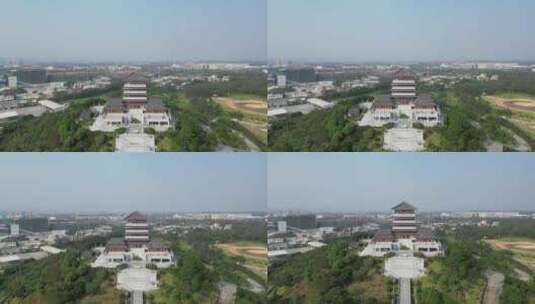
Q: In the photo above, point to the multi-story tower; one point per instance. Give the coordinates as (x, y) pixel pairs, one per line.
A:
(135, 92)
(404, 221)
(136, 232)
(403, 89)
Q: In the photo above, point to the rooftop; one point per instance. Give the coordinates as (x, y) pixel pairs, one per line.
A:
(404, 206)
(135, 216)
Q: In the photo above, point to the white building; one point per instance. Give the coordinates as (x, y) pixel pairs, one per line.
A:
(281, 226)
(281, 81)
(14, 229)
(12, 82)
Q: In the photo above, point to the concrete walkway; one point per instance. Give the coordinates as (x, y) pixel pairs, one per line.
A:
(405, 291)
(137, 297)
(494, 287)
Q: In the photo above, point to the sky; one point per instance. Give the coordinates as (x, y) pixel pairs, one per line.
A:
(134, 30)
(88, 182)
(375, 182)
(408, 30)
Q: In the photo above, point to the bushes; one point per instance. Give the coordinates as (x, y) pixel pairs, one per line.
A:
(150, 131)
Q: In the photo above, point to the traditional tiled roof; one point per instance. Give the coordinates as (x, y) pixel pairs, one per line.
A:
(114, 105)
(155, 104)
(135, 216)
(425, 234)
(384, 235)
(136, 77)
(383, 101)
(157, 245)
(116, 244)
(425, 101)
(404, 206)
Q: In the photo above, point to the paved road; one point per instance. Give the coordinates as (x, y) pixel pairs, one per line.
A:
(405, 291)
(137, 297)
(494, 287)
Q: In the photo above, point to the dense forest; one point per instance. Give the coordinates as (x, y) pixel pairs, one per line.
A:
(458, 277)
(332, 274)
(62, 278)
(65, 131)
(325, 131)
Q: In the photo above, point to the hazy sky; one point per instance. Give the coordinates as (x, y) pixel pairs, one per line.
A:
(356, 182)
(88, 182)
(408, 30)
(134, 29)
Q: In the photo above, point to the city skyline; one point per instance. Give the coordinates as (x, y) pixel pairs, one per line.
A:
(183, 182)
(393, 31)
(371, 182)
(137, 30)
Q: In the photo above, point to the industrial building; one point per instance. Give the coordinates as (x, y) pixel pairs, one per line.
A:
(32, 76)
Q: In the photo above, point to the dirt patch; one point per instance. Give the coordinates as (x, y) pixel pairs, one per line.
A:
(522, 104)
(256, 252)
(255, 255)
(523, 250)
(253, 106)
(524, 245)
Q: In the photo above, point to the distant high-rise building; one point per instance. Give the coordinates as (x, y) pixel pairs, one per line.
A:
(12, 82)
(281, 226)
(136, 231)
(404, 221)
(301, 74)
(281, 81)
(32, 76)
(14, 229)
(301, 221)
(34, 224)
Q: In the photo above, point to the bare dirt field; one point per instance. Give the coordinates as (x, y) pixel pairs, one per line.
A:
(523, 249)
(254, 113)
(514, 103)
(255, 252)
(522, 108)
(252, 106)
(255, 255)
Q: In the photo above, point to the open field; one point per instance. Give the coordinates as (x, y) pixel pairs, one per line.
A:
(523, 249)
(255, 255)
(246, 106)
(253, 113)
(513, 102)
(522, 108)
